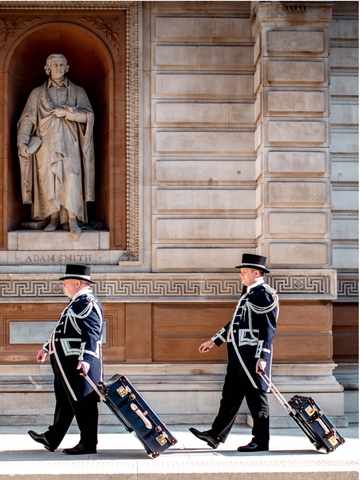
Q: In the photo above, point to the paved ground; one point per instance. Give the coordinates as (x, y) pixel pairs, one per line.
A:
(121, 456)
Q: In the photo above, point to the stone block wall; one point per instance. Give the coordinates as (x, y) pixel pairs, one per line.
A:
(344, 86)
(344, 152)
(202, 131)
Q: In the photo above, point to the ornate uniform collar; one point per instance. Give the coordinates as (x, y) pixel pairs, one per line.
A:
(83, 291)
(256, 284)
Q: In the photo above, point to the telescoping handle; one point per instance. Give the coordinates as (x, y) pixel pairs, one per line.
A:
(88, 379)
(278, 395)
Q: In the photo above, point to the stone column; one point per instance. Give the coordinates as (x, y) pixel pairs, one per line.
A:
(292, 139)
(292, 144)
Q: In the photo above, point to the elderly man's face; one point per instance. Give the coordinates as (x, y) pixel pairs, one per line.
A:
(71, 287)
(57, 67)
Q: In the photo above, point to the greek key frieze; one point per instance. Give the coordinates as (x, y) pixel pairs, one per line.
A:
(348, 288)
(167, 288)
(30, 288)
(173, 287)
(293, 284)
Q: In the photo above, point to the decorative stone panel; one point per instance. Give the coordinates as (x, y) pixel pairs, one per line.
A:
(293, 72)
(301, 284)
(295, 43)
(299, 254)
(297, 194)
(204, 201)
(295, 163)
(296, 103)
(211, 57)
(204, 85)
(208, 230)
(206, 171)
(228, 115)
(298, 224)
(227, 143)
(204, 28)
(306, 133)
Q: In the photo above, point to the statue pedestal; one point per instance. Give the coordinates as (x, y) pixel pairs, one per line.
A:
(35, 240)
(35, 247)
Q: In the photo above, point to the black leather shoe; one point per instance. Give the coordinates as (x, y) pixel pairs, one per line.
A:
(79, 449)
(212, 442)
(253, 447)
(40, 438)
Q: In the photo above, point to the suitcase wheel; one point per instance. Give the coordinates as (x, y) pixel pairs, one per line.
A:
(154, 454)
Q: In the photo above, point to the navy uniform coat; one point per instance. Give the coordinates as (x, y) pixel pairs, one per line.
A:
(78, 337)
(249, 335)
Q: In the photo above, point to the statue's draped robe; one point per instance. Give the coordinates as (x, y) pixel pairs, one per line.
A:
(60, 175)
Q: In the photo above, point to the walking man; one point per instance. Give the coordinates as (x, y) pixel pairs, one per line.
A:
(249, 337)
(75, 352)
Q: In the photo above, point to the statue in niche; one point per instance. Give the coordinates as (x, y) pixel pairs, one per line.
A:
(56, 151)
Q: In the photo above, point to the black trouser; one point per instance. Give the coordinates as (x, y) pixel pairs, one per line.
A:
(85, 411)
(236, 387)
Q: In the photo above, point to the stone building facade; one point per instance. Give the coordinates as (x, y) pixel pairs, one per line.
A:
(220, 128)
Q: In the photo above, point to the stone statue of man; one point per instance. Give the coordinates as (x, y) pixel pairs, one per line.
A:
(56, 150)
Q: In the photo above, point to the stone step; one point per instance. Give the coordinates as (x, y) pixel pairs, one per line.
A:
(179, 394)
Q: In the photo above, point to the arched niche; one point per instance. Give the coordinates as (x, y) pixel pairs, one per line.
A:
(92, 67)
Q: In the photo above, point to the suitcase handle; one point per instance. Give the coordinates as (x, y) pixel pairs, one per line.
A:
(278, 395)
(141, 415)
(288, 407)
(88, 379)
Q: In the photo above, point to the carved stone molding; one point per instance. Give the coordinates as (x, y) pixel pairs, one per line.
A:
(132, 137)
(67, 5)
(10, 25)
(147, 287)
(304, 283)
(348, 288)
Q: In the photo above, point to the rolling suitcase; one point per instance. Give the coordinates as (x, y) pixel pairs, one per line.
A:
(310, 418)
(134, 413)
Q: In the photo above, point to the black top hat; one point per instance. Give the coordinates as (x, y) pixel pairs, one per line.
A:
(78, 272)
(253, 261)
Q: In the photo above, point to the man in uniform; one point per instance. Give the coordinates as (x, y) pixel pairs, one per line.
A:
(75, 352)
(249, 337)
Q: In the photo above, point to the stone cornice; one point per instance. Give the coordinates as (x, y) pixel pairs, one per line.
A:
(287, 13)
(67, 5)
(297, 285)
